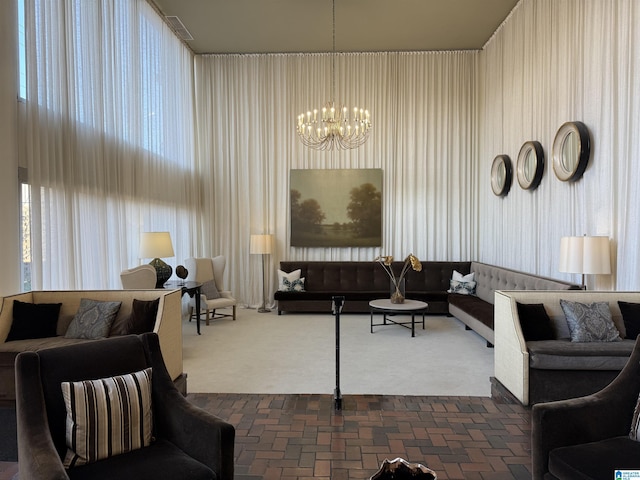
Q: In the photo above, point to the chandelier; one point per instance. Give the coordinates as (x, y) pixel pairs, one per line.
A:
(334, 126)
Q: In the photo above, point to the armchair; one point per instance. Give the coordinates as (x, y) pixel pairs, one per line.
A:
(209, 272)
(588, 437)
(189, 442)
(140, 277)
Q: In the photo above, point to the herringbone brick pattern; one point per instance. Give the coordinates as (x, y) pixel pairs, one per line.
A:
(297, 437)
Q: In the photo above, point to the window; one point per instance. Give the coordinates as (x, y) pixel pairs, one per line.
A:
(22, 71)
(25, 230)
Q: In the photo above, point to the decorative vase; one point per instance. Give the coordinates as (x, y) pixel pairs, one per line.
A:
(397, 291)
(400, 469)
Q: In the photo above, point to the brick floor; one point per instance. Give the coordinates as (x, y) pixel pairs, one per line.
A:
(296, 437)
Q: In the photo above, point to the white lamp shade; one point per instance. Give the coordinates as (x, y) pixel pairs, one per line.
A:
(587, 255)
(156, 245)
(260, 244)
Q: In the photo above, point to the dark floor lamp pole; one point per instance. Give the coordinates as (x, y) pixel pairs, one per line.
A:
(261, 245)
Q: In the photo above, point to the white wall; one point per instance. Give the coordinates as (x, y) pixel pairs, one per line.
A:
(9, 191)
(555, 61)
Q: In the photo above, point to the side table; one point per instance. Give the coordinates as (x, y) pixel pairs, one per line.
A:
(385, 307)
(191, 289)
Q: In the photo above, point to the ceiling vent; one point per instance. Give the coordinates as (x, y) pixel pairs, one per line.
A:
(178, 27)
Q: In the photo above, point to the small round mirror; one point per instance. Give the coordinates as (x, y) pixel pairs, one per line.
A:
(530, 165)
(571, 151)
(501, 173)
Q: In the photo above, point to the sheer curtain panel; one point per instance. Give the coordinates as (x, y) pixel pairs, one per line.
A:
(551, 62)
(108, 139)
(423, 109)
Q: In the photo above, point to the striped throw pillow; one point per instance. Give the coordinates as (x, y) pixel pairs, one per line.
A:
(107, 417)
(634, 434)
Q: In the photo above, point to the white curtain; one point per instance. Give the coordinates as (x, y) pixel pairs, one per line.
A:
(108, 139)
(124, 132)
(551, 62)
(423, 108)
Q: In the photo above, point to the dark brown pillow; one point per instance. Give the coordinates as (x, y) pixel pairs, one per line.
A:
(535, 323)
(33, 320)
(143, 316)
(631, 317)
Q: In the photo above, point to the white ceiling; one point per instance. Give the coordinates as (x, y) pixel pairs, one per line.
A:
(291, 26)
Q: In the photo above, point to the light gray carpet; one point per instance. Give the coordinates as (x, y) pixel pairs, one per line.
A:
(295, 353)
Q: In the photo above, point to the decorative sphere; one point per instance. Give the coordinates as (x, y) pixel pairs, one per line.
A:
(181, 272)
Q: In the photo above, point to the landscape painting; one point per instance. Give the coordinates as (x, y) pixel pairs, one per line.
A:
(336, 208)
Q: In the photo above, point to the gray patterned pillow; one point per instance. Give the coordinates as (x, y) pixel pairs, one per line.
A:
(210, 290)
(93, 319)
(590, 322)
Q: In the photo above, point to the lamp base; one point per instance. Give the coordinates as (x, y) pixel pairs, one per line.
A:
(163, 271)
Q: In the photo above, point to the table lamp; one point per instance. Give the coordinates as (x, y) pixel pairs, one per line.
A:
(585, 255)
(157, 245)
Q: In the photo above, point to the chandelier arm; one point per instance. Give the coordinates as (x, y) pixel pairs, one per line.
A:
(332, 128)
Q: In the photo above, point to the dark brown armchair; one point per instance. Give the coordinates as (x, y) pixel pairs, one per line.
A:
(188, 441)
(588, 437)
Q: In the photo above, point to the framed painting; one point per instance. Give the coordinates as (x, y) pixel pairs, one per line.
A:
(336, 208)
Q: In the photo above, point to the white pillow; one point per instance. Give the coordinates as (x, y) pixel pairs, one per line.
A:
(458, 277)
(295, 275)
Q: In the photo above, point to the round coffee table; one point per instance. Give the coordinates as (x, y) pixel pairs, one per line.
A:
(387, 308)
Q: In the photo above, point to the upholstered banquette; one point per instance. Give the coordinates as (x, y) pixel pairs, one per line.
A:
(556, 369)
(477, 311)
(168, 326)
(361, 282)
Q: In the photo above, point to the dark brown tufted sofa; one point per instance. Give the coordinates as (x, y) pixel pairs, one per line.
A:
(361, 282)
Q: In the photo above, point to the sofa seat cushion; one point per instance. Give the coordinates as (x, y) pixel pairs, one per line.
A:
(596, 460)
(568, 355)
(428, 296)
(35, 344)
(279, 295)
(474, 306)
(160, 461)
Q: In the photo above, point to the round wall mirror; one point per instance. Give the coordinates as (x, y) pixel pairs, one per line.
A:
(501, 173)
(530, 166)
(571, 151)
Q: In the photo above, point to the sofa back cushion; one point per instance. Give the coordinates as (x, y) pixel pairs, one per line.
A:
(339, 276)
(490, 278)
(371, 277)
(435, 276)
(70, 300)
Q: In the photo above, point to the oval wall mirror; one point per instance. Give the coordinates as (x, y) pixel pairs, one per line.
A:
(501, 174)
(571, 151)
(530, 166)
